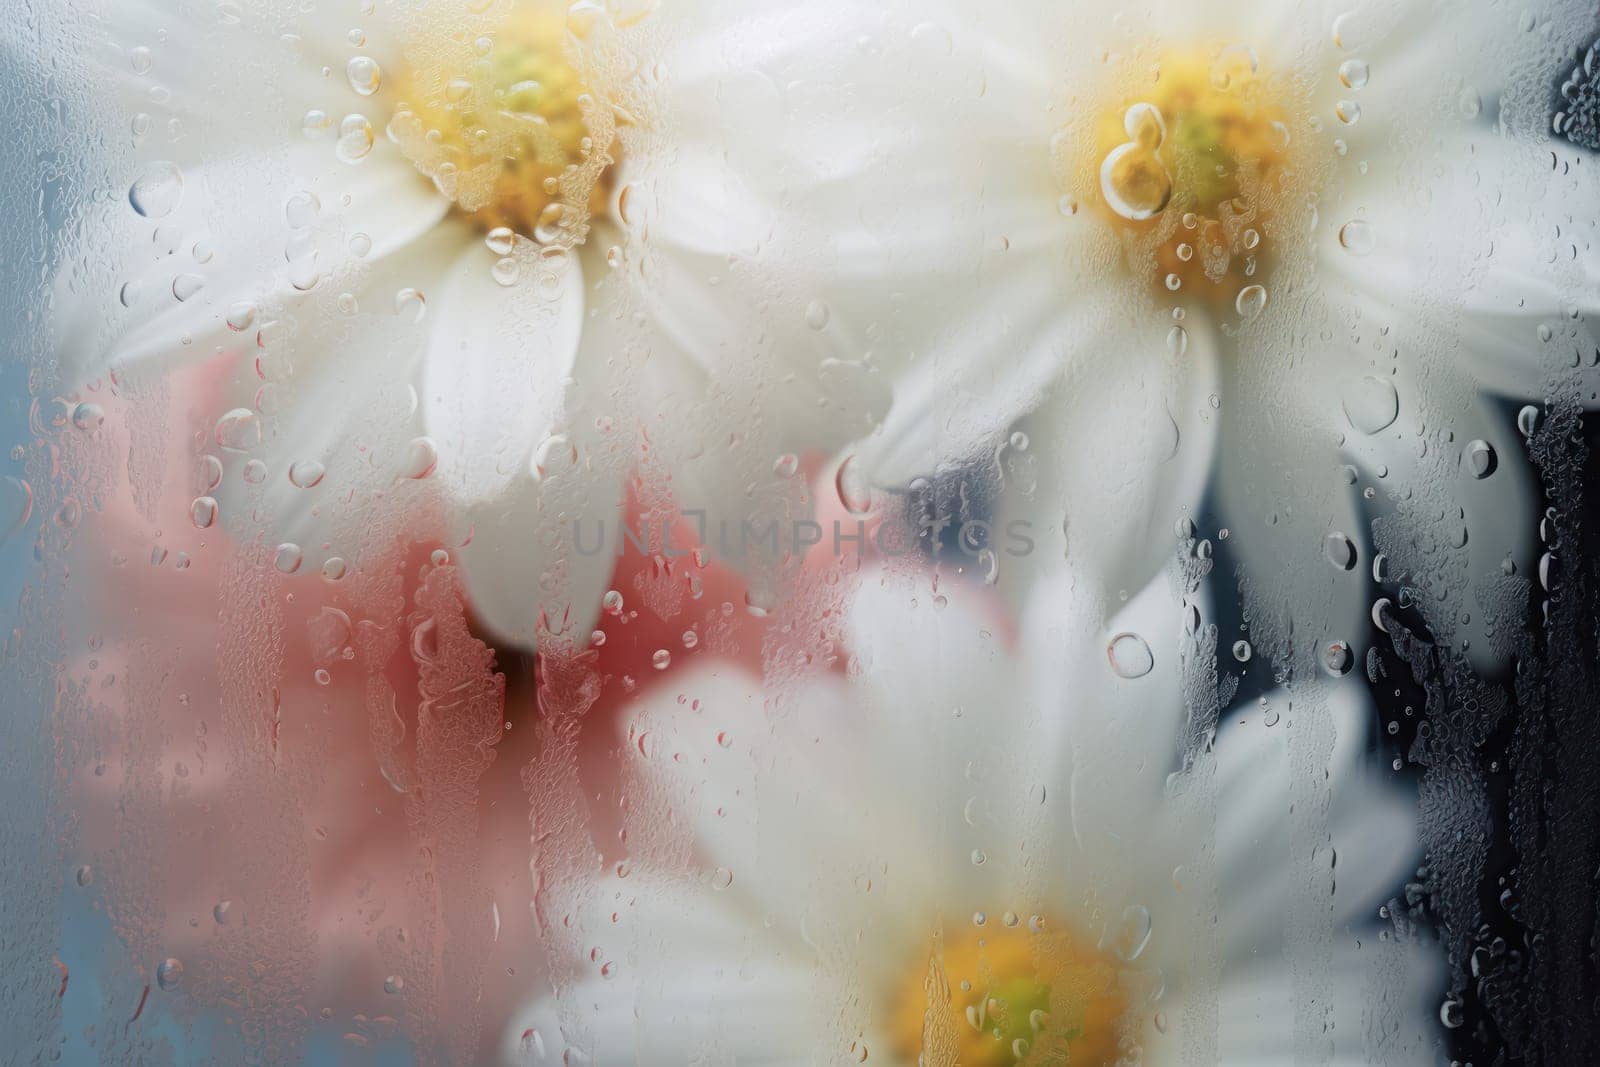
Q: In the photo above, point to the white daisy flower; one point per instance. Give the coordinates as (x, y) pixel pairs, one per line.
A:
(1312, 249)
(961, 853)
(451, 256)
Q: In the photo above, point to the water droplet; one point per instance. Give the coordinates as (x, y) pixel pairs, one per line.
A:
(1481, 459)
(241, 316)
(364, 74)
(1340, 550)
(661, 660)
(315, 123)
(1370, 403)
(1133, 180)
(157, 191)
(393, 984)
(584, 17)
(1353, 74)
(16, 505)
(556, 455)
(301, 209)
(239, 430)
(203, 512)
(85, 875)
(1357, 237)
(169, 973)
(1251, 301)
(1338, 659)
(306, 473)
(1134, 932)
(410, 305)
(786, 465)
(355, 139)
(1130, 656)
(1242, 651)
(506, 271)
(501, 240)
(1177, 341)
(1529, 420)
(288, 557)
(817, 315)
(185, 286)
(854, 491)
(88, 417)
(1349, 112)
(421, 458)
(220, 912)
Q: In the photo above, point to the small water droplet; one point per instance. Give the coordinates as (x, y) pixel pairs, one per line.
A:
(169, 973)
(852, 486)
(1340, 550)
(301, 209)
(185, 286)
(501, 240)
(88, 416)
(1251, 301)
(203, 512)
(355, 139)
(1134, 933)
(421, 458)
(241, 316)
(306, 473)
(556, 455)
(364, 74)
(1370, 403)
(1357, 237)
(410, 305)
(1481, 458)
(1130, 656)
(288, 557)
(1338, 659)
(157, 192)
(238, 430)
(1353, 74)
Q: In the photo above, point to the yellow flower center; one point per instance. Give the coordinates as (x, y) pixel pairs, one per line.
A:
(1190, 166)
(1007, 994)
(507, 129)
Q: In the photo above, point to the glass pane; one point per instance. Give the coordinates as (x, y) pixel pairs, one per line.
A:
(733, 531)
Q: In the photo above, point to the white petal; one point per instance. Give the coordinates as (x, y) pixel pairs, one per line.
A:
(234, 241)
(1371, 821)
(1119, 449)
(495, 371)
(676, 976)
